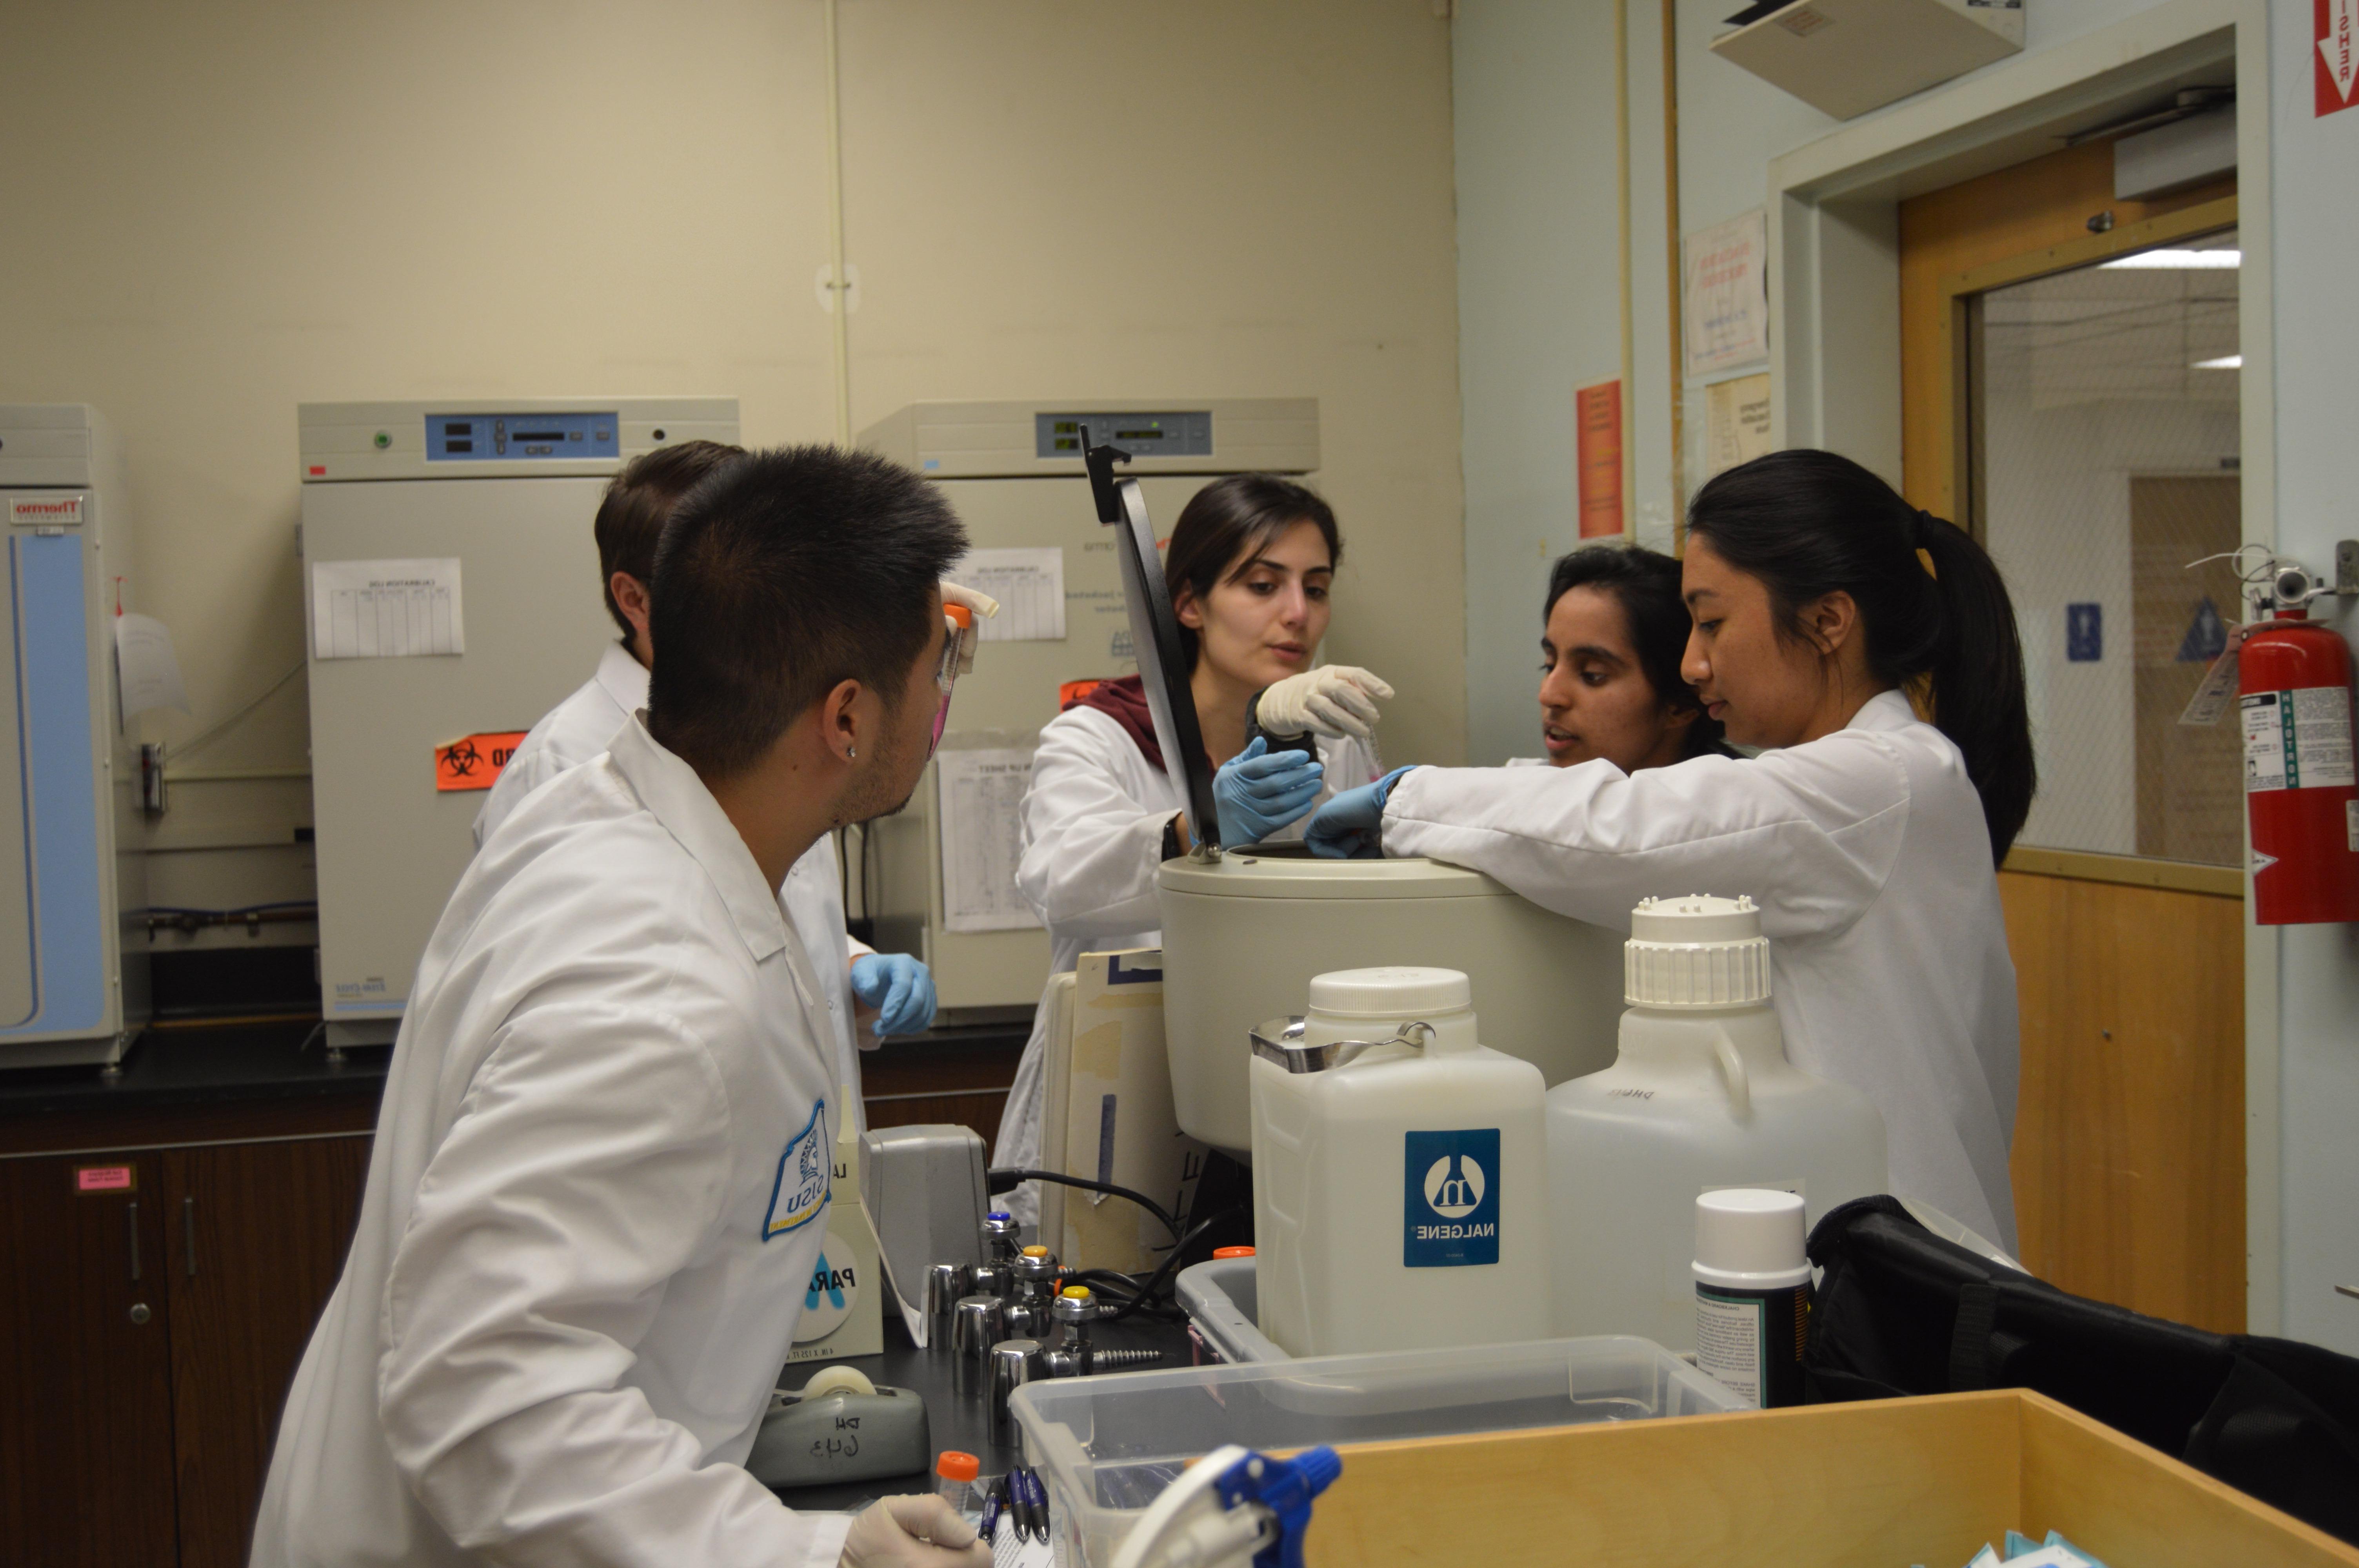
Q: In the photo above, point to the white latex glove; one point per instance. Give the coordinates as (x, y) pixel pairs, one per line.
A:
(984, 607)
(1333, 700)
(920, 1532)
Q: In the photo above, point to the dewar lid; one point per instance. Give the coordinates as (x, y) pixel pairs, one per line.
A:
(1396, 990)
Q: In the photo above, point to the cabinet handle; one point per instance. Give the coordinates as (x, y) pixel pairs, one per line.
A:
(189, 1232)
(139, 1313)
(131, 1223)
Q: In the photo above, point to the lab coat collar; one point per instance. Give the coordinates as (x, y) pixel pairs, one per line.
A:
(622, 677)
(1884, 711)
(678, 800)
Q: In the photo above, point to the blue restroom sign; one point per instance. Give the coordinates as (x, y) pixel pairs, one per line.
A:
(2084, 633)
(1450, 1198)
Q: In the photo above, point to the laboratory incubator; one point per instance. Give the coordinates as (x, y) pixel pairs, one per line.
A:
(451, 597)
(942, 873)
(73, 959)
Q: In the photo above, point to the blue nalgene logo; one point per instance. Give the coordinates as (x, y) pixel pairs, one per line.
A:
(1450, 1201)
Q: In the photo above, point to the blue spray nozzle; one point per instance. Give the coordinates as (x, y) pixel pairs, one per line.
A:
(1286, 1487)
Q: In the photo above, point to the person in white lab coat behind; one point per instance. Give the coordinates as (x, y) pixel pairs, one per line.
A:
(630, 520)
(601, 1172)
(1823, 607)
(1250, 567)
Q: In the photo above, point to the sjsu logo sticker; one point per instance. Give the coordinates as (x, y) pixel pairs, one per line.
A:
(1450, 1199)
(798, 1194)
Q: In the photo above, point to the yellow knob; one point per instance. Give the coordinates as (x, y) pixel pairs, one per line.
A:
(1035, 1252)
(1077, 1292)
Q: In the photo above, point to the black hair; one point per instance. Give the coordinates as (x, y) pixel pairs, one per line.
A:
(781, 575)
(637, 502)
(1226, 524)
(1809, 523)
(1646, 586)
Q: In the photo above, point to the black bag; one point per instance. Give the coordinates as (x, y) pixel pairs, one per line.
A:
(1901, 1311)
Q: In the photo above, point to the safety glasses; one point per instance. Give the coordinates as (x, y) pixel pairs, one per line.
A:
(959, 618)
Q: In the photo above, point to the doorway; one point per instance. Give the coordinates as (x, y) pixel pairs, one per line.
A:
(2070, 395)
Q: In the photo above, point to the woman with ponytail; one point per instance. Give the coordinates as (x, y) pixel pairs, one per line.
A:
(1869, 650)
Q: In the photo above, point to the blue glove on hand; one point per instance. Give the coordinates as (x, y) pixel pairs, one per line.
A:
(1260, 792)
(1351, 825)
(899, 987)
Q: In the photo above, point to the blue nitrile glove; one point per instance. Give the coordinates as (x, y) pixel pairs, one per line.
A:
(899, 987)
(1351, 825)
(1259, 791)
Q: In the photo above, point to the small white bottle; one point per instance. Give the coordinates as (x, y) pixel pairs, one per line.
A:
(1752, 1292)
(1700, 1096)
(1399, 1194)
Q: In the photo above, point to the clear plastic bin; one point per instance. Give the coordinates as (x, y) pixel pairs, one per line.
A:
(1108, 1445)
(1224, 1304)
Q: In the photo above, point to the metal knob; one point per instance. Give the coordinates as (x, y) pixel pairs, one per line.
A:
(977, 1324)
(1014, 1363)
(945, 1283)
(139, 1313)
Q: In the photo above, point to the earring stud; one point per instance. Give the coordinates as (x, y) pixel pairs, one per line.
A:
(850, 753)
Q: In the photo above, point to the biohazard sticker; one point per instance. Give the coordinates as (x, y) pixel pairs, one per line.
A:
(475, 762)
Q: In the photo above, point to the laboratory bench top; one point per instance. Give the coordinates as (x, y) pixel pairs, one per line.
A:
(955, 1418)
(259, 1076)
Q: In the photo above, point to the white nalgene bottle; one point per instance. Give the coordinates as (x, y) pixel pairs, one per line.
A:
(1700, 1096)
(1399, 1171)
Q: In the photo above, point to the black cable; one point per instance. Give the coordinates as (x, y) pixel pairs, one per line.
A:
(1120, 1290)
(1008, 1179)
(1170, 1260)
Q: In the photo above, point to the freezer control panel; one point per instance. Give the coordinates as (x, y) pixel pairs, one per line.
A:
(1185, 434)
(479, 438)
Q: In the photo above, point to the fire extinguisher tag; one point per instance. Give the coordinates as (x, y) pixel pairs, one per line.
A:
(2297, 739)
(2219, 688)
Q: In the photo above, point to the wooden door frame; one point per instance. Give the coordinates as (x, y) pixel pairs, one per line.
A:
(1834, 320)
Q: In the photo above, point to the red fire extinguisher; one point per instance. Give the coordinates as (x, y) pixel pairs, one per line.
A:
(2293, 688)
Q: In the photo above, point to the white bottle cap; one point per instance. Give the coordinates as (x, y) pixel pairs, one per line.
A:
(1697, 951)
(1750, 1238)
(1394, 992)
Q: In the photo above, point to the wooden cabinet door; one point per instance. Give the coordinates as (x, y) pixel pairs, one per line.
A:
(85, 1362)
(256, 1238)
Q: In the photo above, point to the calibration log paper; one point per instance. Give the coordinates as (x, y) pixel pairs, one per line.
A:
(982, 837)
(1029, 585)
(386, 609)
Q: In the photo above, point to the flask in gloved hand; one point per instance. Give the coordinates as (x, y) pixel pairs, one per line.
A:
(1259, 791)
(922, 1531)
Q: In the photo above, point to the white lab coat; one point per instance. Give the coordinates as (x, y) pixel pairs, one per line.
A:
(594, 1208)
(1867, 852)
(1094, 821)
(579, 728)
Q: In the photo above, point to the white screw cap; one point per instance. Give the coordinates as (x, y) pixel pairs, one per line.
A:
(1696, 951)
(1390, 992)
(1750, 1236)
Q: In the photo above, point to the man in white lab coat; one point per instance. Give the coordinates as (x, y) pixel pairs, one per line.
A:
(630, 520)
(601, 1166)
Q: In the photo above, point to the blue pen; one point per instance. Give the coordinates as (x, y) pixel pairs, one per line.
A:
(1037, 1501)
(992, 1503)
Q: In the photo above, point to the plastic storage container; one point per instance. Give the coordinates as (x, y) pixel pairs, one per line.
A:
(1243, 936)
(1701, 1097)
(1399, 1196)
(1108, 1445)
(1223, 1305)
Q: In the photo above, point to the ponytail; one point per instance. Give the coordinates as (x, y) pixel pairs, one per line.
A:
(1932, 606)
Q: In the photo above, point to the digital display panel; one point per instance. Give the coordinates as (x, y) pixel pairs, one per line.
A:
(1183, 433)
(505, 437)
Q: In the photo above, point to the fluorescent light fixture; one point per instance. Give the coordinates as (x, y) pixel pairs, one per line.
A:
(2226, 362)
(2181, 260)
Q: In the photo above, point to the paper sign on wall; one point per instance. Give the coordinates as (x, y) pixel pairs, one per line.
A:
(147, 669)
(2335, 73)
(1597, 425)
(1724, 285)
(386, 609)
(982, 797)
(1736, 422)
(1029, 585)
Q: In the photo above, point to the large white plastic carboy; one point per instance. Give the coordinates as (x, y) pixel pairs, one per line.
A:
(1700, 1096)
(1399, 1172)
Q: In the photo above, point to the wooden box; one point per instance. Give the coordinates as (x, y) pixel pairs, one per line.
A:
(1882, 1484)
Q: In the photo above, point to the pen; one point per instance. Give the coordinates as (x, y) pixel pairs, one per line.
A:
(993, 1501)
(1037, 1500)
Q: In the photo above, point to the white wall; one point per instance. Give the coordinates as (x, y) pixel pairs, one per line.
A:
(2316, 234)
(217, 211)
(1539, 315)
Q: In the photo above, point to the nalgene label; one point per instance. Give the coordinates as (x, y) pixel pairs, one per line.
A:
(1450, 1198)
(2297, 739)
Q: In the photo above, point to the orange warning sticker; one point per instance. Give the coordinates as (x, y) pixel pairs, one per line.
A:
(474, 761)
